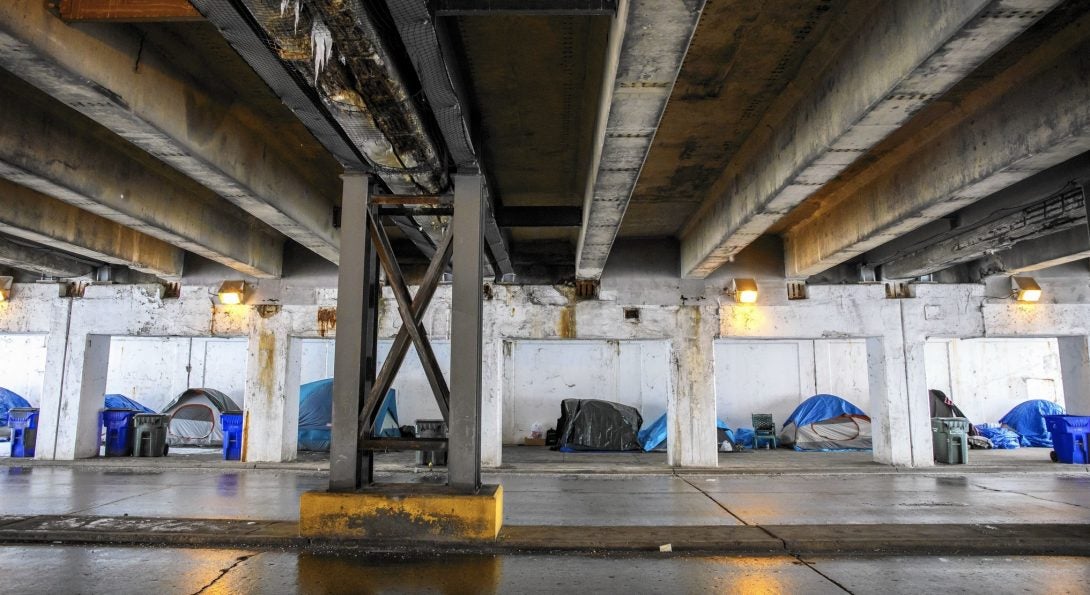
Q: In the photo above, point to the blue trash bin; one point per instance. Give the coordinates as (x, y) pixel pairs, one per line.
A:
(1070, 436)
(232, 436)
(119, 431)
(23, 422)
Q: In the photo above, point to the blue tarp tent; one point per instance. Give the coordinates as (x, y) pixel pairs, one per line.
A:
(827, 423)
(654, 435)
(316, 415)
(123, 402)
(9, 400)
(1028, 419)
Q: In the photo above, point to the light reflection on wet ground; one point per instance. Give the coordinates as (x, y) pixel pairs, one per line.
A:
(65, 569)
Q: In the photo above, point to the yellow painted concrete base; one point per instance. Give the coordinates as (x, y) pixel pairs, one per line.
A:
(402, 511)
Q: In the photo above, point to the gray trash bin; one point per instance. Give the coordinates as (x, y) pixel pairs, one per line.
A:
(950, 438)
(431, 428)
(150, 435)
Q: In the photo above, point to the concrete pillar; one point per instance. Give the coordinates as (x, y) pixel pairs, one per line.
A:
(69, 426)
(272, 390)
(56, 346)
(1075, 373)
(691, 438)
(492, 397)
(900, 419)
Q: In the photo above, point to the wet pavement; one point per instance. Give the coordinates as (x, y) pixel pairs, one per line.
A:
(578, 500)
(67, 569)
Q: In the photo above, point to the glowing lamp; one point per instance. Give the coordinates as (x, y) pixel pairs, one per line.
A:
(745, 291)
(232, 292)
(1025, 289)
(5, 289)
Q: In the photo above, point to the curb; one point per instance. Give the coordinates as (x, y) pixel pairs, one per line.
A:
(1051, 539)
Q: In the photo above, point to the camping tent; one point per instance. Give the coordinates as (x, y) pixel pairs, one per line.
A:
(9, 400)
(590, 424)
(316, 415)
(827, 423)
(653, 436)
(123, 402)
(943, 406)
(1028, 419)
(195, 417)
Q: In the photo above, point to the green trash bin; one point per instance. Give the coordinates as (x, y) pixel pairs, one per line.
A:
(150, 435)
(950, 439)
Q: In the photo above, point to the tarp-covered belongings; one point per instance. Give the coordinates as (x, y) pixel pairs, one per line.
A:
(195, 417)
(316, 415)
(590, 424)
(653, 436)
(1028, 419)
(8, 401)
(943, 406)
(1000, 436)
(827, 423)
(123, 402)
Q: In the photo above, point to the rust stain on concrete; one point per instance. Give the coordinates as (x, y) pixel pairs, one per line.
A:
(327, 320)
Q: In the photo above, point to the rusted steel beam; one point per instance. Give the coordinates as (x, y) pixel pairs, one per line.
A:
(470, 8)
(425, 444)
(422, 200)
(125, 11)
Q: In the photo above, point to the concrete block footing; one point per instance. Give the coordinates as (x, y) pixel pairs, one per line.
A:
(403, 512)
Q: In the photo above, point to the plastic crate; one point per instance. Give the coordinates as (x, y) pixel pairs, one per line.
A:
(23, 422)
(232, 436)
(950, 425)
(1070, 438)
(118, 424)
(150, 435)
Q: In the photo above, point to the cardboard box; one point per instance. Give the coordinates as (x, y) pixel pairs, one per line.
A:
(533, 441)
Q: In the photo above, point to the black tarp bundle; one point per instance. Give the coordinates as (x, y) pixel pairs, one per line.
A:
(590, 424)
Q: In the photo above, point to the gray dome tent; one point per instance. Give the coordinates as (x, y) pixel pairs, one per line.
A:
(195, 417)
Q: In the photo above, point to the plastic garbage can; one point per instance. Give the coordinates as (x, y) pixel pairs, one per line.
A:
(1070, 435)
(118, 425)
(431, 428)
(232, 435)
(950, 439)
(23, 422)
(150, 435)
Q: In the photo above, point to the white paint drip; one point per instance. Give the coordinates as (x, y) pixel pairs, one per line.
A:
(321, 40)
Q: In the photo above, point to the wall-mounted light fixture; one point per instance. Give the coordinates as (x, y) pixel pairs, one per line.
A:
(744, 291)
(232, 292)
(1025, 289)
(5, 289)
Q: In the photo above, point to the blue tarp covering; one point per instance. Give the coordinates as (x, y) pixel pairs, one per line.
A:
(1028, 419)
(1000, 436)
(9, 400)
(123, 402)
(316, 415)
(654, 435)
(820, 408)
(744, 436)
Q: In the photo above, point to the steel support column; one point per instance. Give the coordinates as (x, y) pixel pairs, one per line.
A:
(464, 457)
(354, 361)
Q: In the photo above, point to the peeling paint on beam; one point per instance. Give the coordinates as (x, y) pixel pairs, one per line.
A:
(1034, 116)
(910, 54)
(648, 42)
(162, 112)
(360, 88)
(50, 222)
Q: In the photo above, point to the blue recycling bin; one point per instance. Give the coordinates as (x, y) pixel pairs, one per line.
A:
(232, 436)
(23, 422)
(1070, 436)
(119, 431)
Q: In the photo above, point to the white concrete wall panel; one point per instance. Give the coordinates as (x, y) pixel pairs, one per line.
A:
(22, 365)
